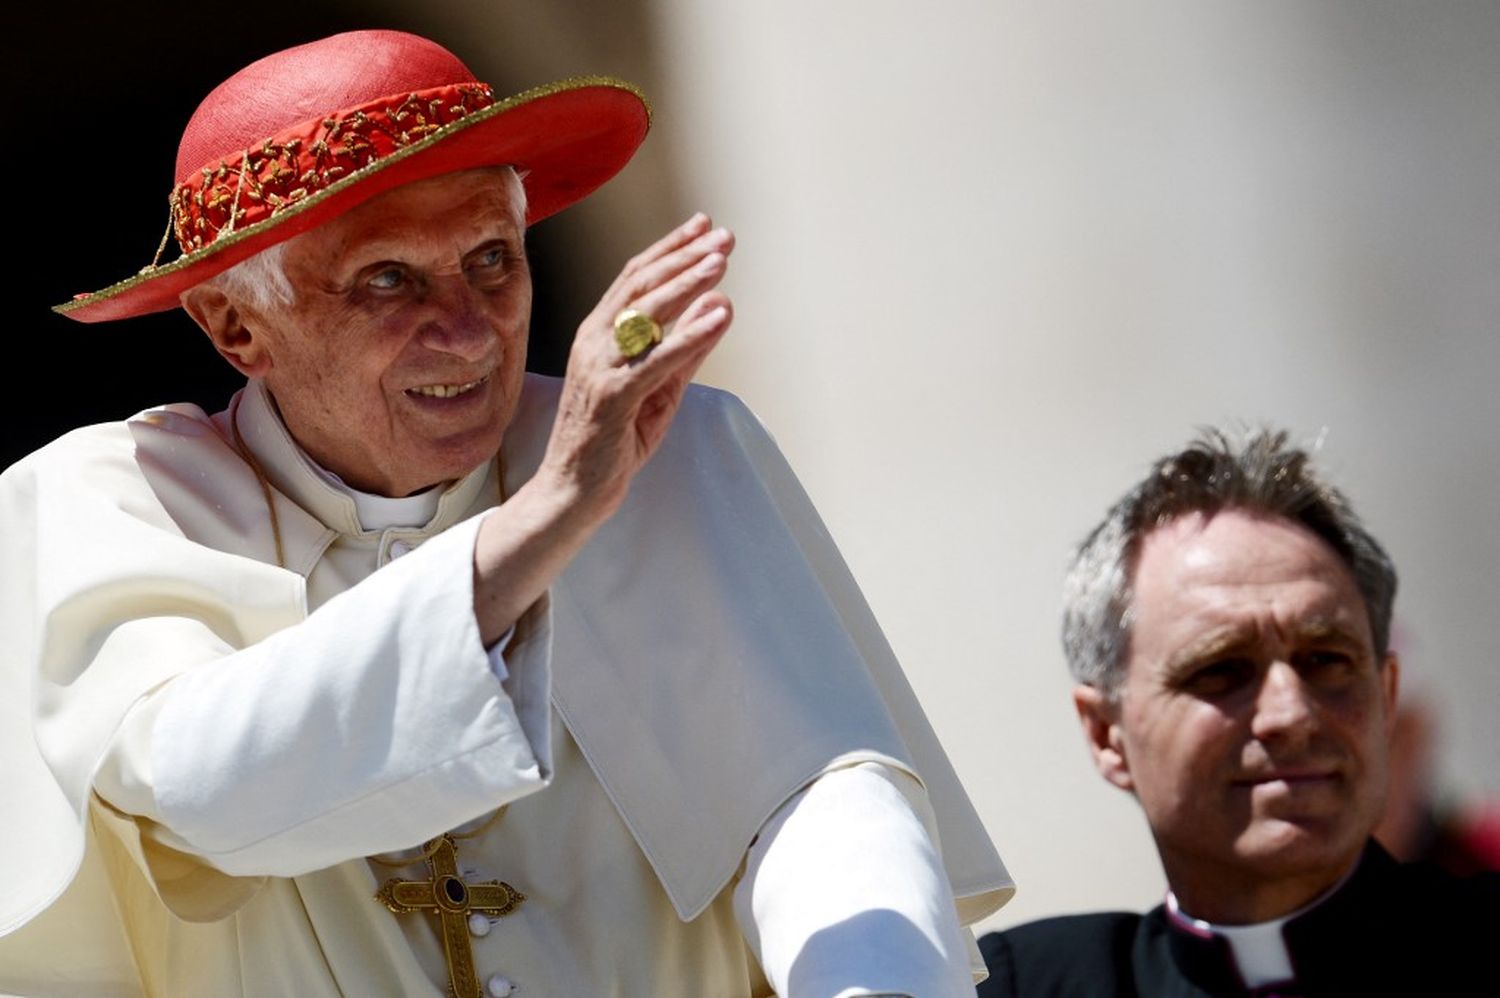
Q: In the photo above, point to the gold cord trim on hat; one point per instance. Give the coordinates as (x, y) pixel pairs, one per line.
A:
(161, 247)
(290, 206)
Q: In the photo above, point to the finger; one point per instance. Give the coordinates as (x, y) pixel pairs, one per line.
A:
(635, 285)
(702, 334)
(674, 240)
(703, 330)
(709, 315)
(697, 332)
(666, 302)
(663, 305)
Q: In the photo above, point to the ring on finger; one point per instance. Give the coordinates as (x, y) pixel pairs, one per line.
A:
(635, 333)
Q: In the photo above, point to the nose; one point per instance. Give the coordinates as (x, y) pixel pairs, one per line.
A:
(1284, 707)
(456, 322)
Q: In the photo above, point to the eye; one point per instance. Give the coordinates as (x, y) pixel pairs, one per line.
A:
(489, 267)
(1220, 677)
(490, 261)
(1327, 666)
(388, 279)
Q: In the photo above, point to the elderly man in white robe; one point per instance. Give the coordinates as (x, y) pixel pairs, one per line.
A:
(411, 673)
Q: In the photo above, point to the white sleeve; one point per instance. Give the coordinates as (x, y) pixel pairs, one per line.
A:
(377, 723)
(844, 893)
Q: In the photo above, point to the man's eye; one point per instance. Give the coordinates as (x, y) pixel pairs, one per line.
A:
(490, 258)
(388, 279)
(1326, 665)
(1220, 677)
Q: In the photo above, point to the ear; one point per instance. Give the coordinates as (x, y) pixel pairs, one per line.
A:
(1390, 687)
(1099, 716)
(223, 321)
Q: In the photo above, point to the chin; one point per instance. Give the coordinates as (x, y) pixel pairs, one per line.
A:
(1297, 848)
(453, 463)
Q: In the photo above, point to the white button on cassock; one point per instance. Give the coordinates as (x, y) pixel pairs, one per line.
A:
(500, 987)
(479, 925)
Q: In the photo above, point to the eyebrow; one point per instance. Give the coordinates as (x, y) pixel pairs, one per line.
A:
(1323, 628)
(1238, 637)
(1217, 643)
(391, 249)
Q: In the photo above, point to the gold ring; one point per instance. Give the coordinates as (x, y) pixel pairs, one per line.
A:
(635, 333)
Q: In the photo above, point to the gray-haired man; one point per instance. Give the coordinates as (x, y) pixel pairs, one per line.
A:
(1228, 627)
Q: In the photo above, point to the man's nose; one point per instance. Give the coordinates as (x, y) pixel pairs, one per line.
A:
(1284, 706)
(456, 322)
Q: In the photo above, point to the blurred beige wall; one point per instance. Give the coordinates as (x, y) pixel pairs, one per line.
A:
(995, 257)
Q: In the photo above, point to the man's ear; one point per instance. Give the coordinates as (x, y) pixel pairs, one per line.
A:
(225, 325)
(1099, 716)
(1390, 688)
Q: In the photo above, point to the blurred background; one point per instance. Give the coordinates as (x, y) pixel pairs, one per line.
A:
(994, 257)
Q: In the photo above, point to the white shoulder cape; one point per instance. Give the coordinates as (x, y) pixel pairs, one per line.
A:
(711, 655)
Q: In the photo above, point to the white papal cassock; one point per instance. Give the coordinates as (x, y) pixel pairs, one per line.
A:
(704, 660)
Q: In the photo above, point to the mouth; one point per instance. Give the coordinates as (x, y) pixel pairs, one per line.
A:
(447, 391)
(1289, 777)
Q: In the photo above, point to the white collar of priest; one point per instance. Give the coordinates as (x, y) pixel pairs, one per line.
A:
(377, 512)
(328, 498)
(1259, 949)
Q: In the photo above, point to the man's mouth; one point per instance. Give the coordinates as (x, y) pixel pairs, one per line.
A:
(447, 391)
(1290, 777)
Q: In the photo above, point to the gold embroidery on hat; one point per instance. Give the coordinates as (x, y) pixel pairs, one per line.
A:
(277, 175)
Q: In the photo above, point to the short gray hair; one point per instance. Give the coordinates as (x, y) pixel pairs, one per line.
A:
(261, 279)
(1259, 472)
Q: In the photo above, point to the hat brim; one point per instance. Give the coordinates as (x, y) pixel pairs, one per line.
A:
(567, 138)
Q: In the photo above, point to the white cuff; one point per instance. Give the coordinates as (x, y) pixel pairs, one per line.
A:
(844, 893)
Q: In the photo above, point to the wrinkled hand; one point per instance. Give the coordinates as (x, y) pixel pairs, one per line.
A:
(614, 412)
(612, 415)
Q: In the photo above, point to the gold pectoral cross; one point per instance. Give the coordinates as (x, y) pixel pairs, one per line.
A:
(453, 899)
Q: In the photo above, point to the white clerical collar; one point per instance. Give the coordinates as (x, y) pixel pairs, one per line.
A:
(293, 473)
(1259, 950)
(377, 512)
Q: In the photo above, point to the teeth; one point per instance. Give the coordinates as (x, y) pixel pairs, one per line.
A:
(445, 391)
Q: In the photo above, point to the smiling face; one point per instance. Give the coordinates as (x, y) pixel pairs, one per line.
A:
(1253, 718)
(399, 363)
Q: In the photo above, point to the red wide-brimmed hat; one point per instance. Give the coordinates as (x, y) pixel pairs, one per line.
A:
(301, 136)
